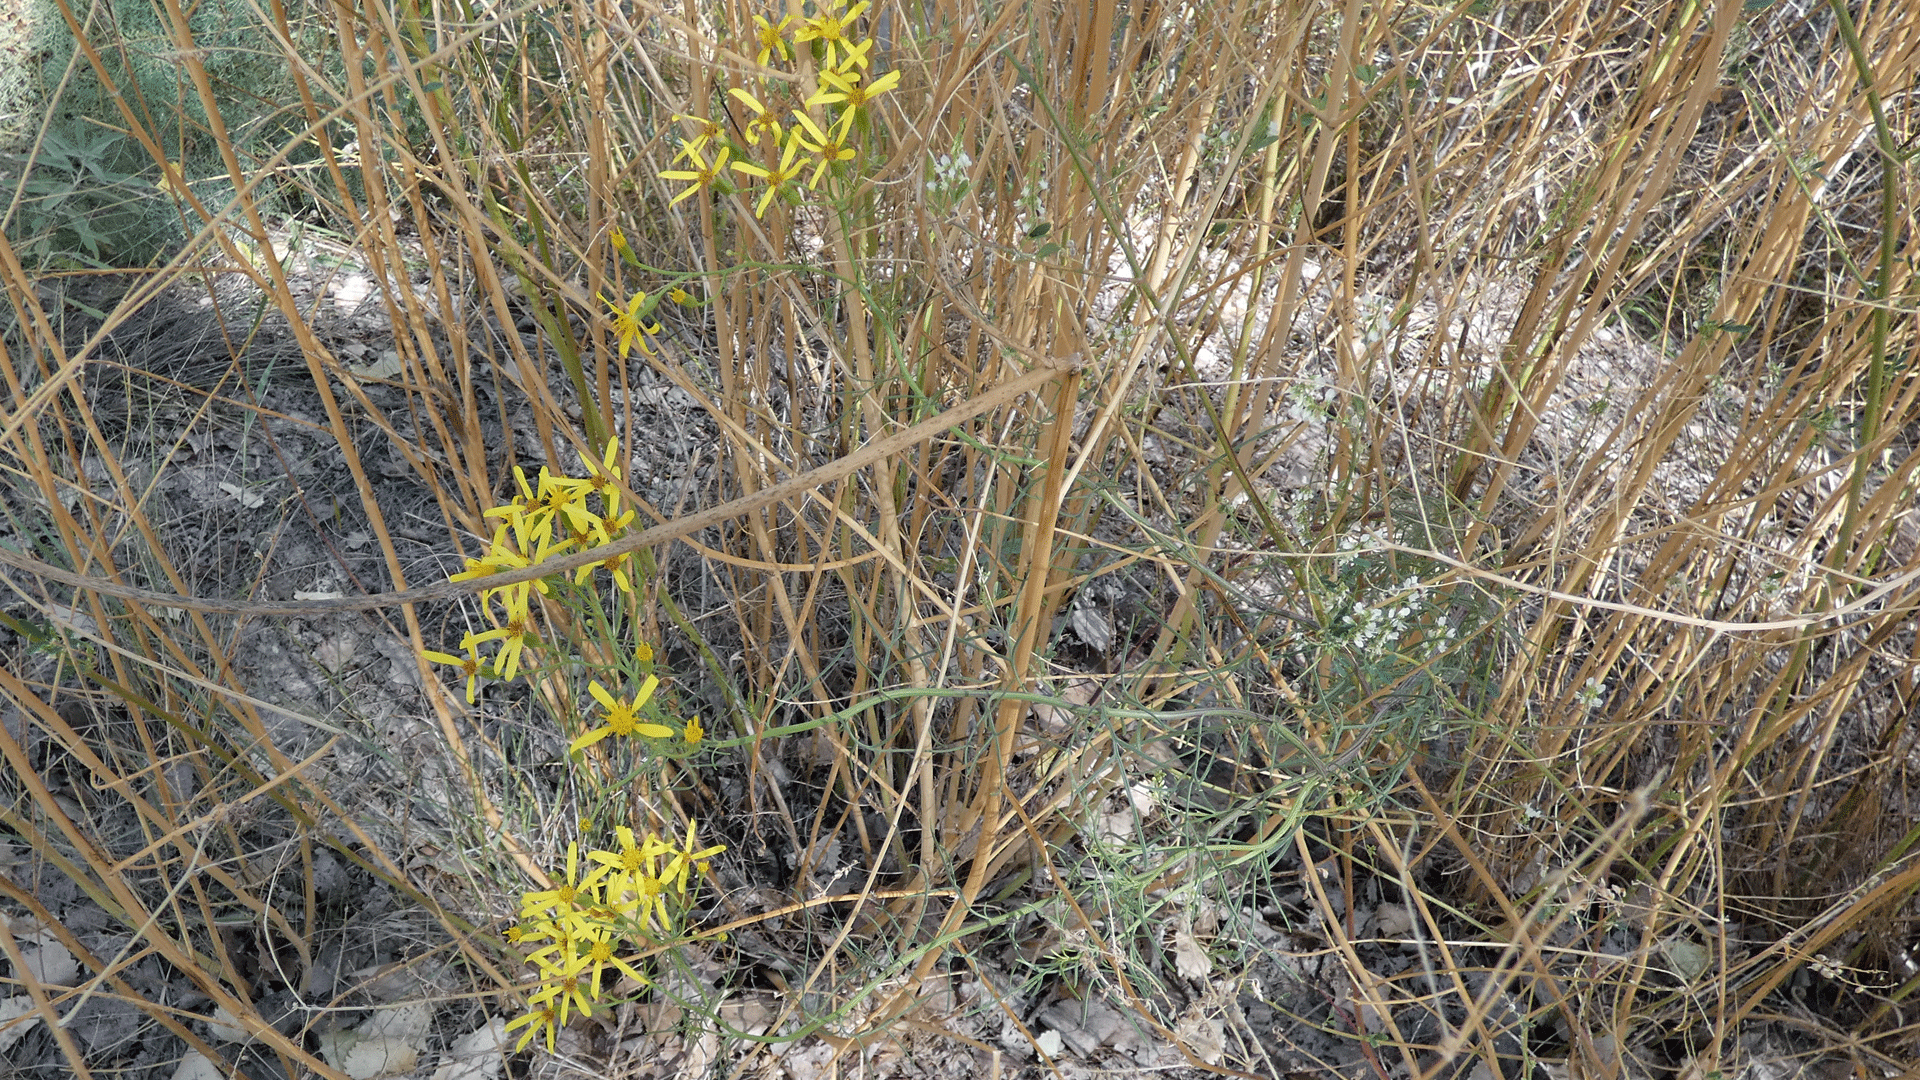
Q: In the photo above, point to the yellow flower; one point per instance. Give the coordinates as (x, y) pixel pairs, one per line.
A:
(566, 899)
(563, 986)
(512, 638)
(830, 27)
(531, 515)
(620, 245)
(603, 478)
(776, 178)
(616, 565)
(622, 716)
(702, 175)
(600, 952)
(695, 732)
(858, 55)
(687, 859)
(772, 38)
(643, 652)
(469, 663)
(651, 908)
(502, 556)
(477, 568)
(828, 150)
(537, 1021)
(517, 599)
(561, 499)
(844, 88)
(601, 532)
(704, 131)
(762, 123)
(630, 324)
(632, 866)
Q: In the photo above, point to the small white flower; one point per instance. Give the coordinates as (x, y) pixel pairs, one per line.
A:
(1592, 694)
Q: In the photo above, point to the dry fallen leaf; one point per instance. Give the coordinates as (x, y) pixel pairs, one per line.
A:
(477, 1055)
(196, 1066)
(1205, 1037)
(12, 1027)
(252, 500)
(1393, 920)
(1189, 959)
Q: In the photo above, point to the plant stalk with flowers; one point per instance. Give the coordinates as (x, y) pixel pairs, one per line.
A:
(588, 932)
(586, 936)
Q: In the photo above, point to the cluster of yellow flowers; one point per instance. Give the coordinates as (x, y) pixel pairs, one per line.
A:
(580, 926)
(542, 521)
(551, 516)
(770, 150)
(578, 930)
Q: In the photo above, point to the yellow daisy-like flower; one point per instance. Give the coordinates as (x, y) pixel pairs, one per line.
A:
(704, 132)
(632, 866)
(470, 664)
(599, 954)
(602, 479)
(564, 987)
(542, 1019)
(695, 732)
(826, 149)
(761, 125)
(630, 324)
(501, 555)
(776, 178)
(624, 578)
(620, 566)
(478, 568)
(830, 28)
(686, 860)
(622, 716)
(513, 639)
(701, 176)
(566, 899)
(843, 88)
(772, 38)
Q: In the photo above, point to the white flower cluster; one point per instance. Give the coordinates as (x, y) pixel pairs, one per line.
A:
(1300, 509)
(1388, 623)
(1355, 544)
(1032, 193)
(947, 177)
(1310, 402)
(1374, 625)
